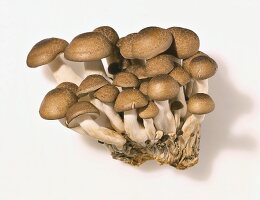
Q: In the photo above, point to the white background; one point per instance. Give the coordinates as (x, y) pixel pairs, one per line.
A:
(42, 160)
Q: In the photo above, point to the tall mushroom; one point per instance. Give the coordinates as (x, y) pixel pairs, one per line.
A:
(91, 48)
(84, 114)
(128, 101)
(48, 51)
(161, 89)
(147, 113)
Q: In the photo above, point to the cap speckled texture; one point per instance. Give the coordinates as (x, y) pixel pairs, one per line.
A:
(126, 79)
(200, 103)
(78, 109)
(144, 87)
(125, 45)
(161, 64)
(88, 46)
(138, 70)
(45, 51)
(186, 62)
(107, 93)
(91, 83)
(56, 103)
(180, 75)
(185, 42)
(163, 87)
(130, 99)
(109, 33)
(69, 86)
(149, 111)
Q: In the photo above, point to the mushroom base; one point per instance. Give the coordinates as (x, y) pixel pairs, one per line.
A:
(170, 149)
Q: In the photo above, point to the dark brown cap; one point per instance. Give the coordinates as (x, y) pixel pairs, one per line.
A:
(185, 42)
(107, 93)
(45, 51)
(176, 105)
(163, 87)
(109, 33)
(90, 84)
(200, 103)
(88, 46)
(130, 99)
(125, 79)
(56, 103)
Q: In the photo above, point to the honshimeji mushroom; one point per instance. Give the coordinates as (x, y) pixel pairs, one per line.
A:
(138, 70)
(90, 85)
(48, 51)
(147, 113)
(128, 101)
(185, 43)
(84, 114)
(144, 87)
(183, 78)
(91, 48)
(198, 105)
(161, 89)
(126, 80)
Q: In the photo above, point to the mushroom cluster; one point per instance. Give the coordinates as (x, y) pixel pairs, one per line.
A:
(143, 96)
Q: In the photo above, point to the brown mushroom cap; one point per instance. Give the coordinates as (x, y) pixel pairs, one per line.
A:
(109, 33)
(180, 75)
(130, 99)
(150, 42)
(186, 62)
(45, 51)
(149, 111)
(125, 79)
(69, 86)
(125, 45)
(200, 103)
(144, 87)
(163, 87)
(138, 70)
(107, 93)
(56, 103)
(88, 46)
(176, 105)
(185, 42)
(161, 64)
(90, 84)
(202, 67)
(79, 109)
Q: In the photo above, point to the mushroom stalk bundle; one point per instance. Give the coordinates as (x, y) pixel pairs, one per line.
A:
(144, 96)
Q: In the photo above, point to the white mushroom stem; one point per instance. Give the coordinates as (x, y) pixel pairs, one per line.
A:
(63, 72)
(133, 129)
(200, 86)
(149, 128)
(101, 133)
(165, 121)
(113, 116)
(181, 112)
(94, 67)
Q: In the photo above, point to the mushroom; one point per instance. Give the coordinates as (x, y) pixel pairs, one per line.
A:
(147, 113)
(128, 101)
(48, 51)
(161, 88)
(126, 80)
(161, 64)
(107, 95)
(176, 107)
(198, 105)
(138, 70)
(69, 86)
(84, 114)
(183, 78)
(185, 42)
(91, 48)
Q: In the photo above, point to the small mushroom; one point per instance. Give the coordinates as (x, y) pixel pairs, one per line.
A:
(161, 64)
(84, 114)
(91, 48)
(138, 70)
(107, 95)
(48, 52)
(126, 80)
(161, 88)
(144, 87)
(128, 101)
(147, 113)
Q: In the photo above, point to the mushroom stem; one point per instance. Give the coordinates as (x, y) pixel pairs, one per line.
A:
(113, 116)
(149, 128)
(133, 129)
(94, 67)
(101, 133)
(183, 111)
(200, 86)
(62, 72)
(165, 121)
